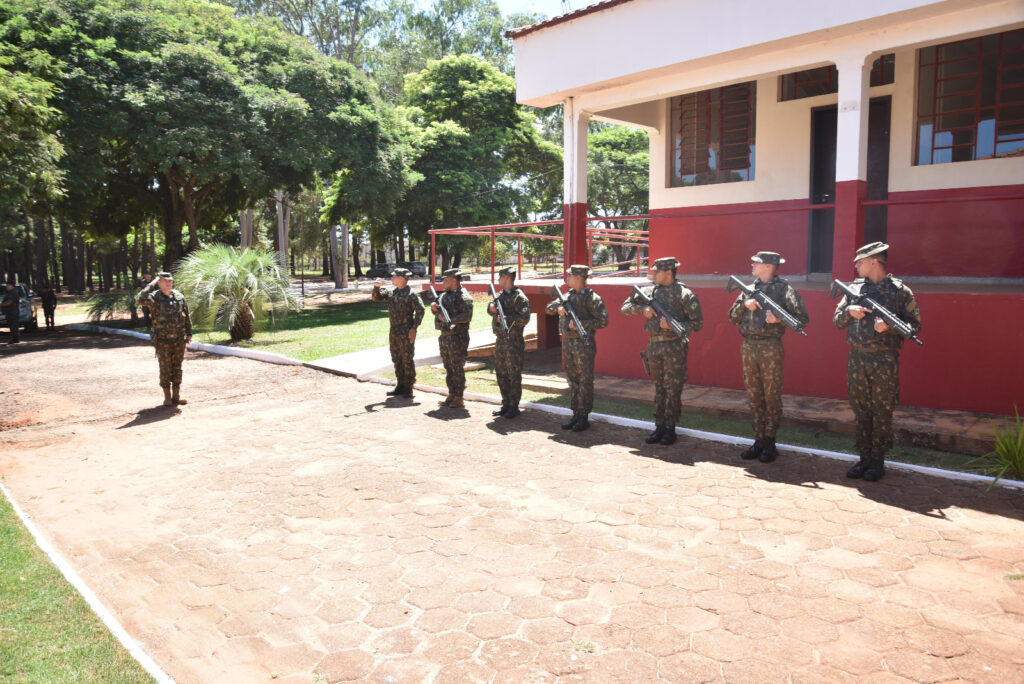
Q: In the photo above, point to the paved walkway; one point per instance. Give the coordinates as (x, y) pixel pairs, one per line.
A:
(288, 524)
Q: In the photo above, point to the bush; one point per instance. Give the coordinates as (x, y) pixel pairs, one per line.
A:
(108, 305)
(1007, 458)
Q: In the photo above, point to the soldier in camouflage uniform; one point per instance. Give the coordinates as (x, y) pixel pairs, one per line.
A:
(172, 331)
(405, 311)
(11, 304)
(666, 350)
(762, 350)
(578, 353)
(872, 369)
(454, 342)
(509, 348)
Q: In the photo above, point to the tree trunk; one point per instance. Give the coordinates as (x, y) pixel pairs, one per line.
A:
(283, 216)
(381, 257)
(242, 329)
(54, 265)
(399, 249)
(245, 221)
(336, 264)
(355, 256)
(412, 251)
(42, 251)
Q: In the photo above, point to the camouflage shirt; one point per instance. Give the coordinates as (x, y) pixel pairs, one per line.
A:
(677, 299)
(516, 306)
(891, 293)
(589, 307)
(169, 313)
(752, 323)
(459, 305)
(405, 310)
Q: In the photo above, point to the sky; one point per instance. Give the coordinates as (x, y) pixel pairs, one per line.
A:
(551, 8)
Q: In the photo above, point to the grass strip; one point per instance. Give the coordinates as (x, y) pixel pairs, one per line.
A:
(48, 633)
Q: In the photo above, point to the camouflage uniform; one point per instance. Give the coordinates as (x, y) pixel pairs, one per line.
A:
(509, 349)
(11, 305)
(578, 354)
(872, 369)
(172, 326)
(48, 298)
(454, 343)
(763, 353)
(667, 351)
(405, 312)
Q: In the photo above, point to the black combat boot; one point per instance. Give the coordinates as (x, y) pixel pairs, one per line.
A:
(655, 436)
(581, 423)
(568, 425)
(406, 392)
(859, 468)
(753, 452)
(512, 412)
(768, 451)
(875, 469)
(501, 411)
(396, 391)
(670, 435)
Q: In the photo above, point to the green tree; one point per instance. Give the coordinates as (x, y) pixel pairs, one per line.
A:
(618, 163)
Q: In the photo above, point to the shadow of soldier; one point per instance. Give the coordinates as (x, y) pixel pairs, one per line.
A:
(152, 415)
(448, 413)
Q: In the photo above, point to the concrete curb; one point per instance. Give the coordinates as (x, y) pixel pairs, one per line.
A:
(135, 648)
(254, 354)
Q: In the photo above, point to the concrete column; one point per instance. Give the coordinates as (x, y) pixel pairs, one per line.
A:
(575, 183)
(851, 160)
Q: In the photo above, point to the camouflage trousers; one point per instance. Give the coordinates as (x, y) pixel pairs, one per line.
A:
(873, 383)
(667, 361)
(170, 355)
(508, 365)
(402, 351)
(453, 354)
(12, 323)
(48, 317)
(578, 357)
(762, 376)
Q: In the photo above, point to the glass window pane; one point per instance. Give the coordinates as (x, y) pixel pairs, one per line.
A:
(713, 135)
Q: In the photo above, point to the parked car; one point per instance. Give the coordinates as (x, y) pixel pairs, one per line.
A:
(381, 270)
(27, 311)
(418, 268)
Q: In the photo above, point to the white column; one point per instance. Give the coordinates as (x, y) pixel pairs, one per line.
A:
(852, 120)
(574, 146)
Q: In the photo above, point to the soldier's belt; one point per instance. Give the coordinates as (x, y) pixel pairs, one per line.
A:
(665, 337)
(762, 340)
(858, 349)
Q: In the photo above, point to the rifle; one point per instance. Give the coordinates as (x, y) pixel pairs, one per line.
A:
(676, 326)
(500, 309)
(564, 302)
(766, 302)
(434, 297)
(872, 305)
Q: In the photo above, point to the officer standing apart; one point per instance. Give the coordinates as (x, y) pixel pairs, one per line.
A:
(666, 349)
(11, 306)
(172, 330)
(762, 350)
(454, 343)
(405, 312)
(578, 353)
(872, 369)
(510, 348)
(48, 298)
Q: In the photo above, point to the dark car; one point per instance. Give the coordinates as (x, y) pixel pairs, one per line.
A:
(381, 270)
(418, 268)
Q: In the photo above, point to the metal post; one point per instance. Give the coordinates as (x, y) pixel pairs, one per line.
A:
(433, 245)
(492, 254)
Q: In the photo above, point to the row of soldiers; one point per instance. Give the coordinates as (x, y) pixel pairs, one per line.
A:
(672, 312)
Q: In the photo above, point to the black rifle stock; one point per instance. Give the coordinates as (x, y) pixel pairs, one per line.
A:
(500, 309)
(766, 303)
(891, 319)
(434, 297)
(557, 294)
(676, 326)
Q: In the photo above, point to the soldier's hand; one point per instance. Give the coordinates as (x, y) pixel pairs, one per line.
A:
(664, 324)
(412, 335)
(378, 282)
(561, 311)
(433, 307)
(770, 317)
(751, 304)
(858, 311)
(650, 312)
(881, 326)
(490, 309)
(572, 325)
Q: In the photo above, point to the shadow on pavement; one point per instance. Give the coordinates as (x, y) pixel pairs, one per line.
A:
(445, 413)
(152, 415)
(63, 338)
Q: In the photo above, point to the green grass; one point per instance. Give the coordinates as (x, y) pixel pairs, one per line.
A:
(47, 631)
(483, 382)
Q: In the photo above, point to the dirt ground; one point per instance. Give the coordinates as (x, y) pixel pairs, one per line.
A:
(294, 526)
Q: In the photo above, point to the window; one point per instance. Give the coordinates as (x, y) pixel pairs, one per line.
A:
(825, 80)
(970, 99)
(713, 135)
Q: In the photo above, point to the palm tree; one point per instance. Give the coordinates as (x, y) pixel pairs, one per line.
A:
(235, 288)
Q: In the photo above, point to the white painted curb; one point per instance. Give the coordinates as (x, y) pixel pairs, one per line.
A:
(254, 354)
(134, 647)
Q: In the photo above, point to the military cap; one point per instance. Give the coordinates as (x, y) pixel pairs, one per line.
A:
(508, 270)
(870, 250)
(403, 272)
(454, 273)
(165, 274)
(579, 270)
(666, 263)
(768, 258)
